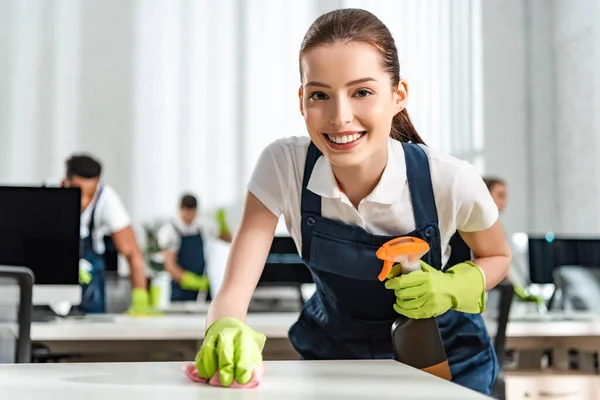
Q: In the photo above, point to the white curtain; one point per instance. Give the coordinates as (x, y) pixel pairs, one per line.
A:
(182, 95)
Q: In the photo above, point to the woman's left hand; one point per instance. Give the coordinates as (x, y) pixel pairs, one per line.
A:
(430, 292)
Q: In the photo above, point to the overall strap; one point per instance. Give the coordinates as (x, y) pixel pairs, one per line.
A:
(92, 223)
(418, 175)
(310, 203)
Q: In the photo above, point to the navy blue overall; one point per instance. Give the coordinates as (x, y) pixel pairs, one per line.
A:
(190, 258)
(93, 298)
(351, 314)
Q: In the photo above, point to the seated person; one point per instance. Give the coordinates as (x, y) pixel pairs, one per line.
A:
(182, 245)
(499, 192)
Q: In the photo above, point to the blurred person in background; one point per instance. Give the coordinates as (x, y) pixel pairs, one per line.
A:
(498, 189)
(103, 213)
(183, 249)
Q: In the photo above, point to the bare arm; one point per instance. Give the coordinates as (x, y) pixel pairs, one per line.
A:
(249, 251)
(171, 266)
(127, 245)
(492, 253)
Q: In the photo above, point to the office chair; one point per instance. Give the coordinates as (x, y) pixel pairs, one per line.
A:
(578, 286)
(506, 292)
(577, 289)
(24, 278)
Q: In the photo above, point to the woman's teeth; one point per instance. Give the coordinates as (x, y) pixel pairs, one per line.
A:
(346, 138)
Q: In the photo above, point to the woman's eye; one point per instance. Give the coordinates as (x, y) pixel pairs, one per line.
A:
(318, 96)
(362, 93)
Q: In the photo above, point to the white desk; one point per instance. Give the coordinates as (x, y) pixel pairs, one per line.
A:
(315, 380)
(533, 334)
(121, 334)
(273, 325)
(165, 327)
(158, 338)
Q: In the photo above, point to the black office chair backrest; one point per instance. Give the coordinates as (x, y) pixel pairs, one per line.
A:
(24, 278)
(506, 291)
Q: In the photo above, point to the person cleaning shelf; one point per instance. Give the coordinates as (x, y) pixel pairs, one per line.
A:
(183, 249)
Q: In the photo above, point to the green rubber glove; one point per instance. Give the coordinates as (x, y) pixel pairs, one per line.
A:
(140, 303)
(192, 281)
(85, 277)
(221, 219)
(524, 296)
(430, 292)
(85, 271)
(231, 347)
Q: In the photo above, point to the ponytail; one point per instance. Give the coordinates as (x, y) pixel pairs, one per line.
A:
(403, 129)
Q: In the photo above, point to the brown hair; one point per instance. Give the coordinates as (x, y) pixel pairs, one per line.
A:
(356, 25)
(188, 202)
(490, 182)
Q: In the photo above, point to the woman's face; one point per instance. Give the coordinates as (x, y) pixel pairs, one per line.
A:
(499, 193)
(348, 101)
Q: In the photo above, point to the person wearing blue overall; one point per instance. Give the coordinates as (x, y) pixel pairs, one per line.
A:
(103, 213)
(93, 293)
(182, 245)
(363, 177)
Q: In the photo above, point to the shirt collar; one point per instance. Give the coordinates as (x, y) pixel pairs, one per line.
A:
(389, 189)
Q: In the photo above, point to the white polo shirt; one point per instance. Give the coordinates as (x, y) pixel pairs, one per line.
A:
(110, 216)
(463, 201)
(169, 238)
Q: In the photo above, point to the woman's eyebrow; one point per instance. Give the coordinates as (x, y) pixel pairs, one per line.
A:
(354, 82)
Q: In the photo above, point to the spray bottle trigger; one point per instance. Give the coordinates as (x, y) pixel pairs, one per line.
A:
(387, 268)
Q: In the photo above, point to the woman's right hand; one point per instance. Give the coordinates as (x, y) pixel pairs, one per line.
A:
(233, 349)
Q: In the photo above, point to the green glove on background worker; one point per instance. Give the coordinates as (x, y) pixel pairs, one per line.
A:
(222, 221)
(522, 295)
(85, 277)
(141, 303)
(430, 292)
(192, 281)
(231, 347)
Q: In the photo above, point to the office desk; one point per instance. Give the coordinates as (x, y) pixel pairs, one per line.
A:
(315, 380)
(563, 386)
(159, 338)
(531, 335)
(178, 336)
(110, 327)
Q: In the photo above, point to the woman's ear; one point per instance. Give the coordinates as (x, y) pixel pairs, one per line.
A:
(400, 96)
(300, 93)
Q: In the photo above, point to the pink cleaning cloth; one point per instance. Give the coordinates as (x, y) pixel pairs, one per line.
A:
(192, 373)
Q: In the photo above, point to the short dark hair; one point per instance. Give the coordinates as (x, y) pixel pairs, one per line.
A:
(491, 181)
(83, 165)
(188, 201)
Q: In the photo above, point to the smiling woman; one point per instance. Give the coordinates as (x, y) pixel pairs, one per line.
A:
(362, 178)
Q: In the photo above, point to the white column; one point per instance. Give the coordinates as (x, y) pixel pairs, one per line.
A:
(23, 104)
(66, 63)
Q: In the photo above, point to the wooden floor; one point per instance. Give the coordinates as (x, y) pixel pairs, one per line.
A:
(551, 385)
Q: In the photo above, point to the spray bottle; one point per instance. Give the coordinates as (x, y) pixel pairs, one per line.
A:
(415, 342)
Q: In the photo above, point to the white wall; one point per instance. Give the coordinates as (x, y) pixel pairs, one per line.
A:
(66, 81)
(576, 45)
(505, 114)
(183, 95)
(542, 93)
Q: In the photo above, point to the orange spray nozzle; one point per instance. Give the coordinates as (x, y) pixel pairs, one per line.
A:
(398, 249)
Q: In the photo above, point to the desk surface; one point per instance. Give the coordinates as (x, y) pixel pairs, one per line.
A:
(108, 327)
(374, 379)
(273, 325)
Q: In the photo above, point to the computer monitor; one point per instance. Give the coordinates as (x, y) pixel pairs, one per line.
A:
(548, 252)
(39, 229)
(284, 267)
